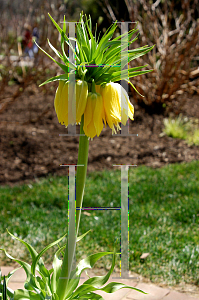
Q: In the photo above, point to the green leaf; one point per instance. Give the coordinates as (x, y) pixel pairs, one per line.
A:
(9, 291)
(98, 281)
(72, 284)
(82, 290)
(4, 294)
(135, 54)
(82, 55)
(63, 67)
(83, 39)
(55, 50)
(10, 275)
(32, 284)
(82, 33)
(133, 74)
(66, 39)
(63, 38)
(134, 88)
(41, 268)
(55, 23)
(116, 59)
(92, 296)
(93, 45)
(55, 297)
(117, 45)
(86, 289)
(57, 263)
(107, 35)
(39, 286)
(127, 34)
(42, 284)
(36, 260)
(115, 286)
(99, 58)
(113, 56)
(24, 265)
(31, 250)
(59, 77)
(87, 263)
(122, 75)
(82, 236)
(24, 295)
(44, 272)
(63, 34)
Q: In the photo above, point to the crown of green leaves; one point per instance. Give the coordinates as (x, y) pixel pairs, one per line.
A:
(107, 54)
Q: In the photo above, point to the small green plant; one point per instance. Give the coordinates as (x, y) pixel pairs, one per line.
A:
(195, 137)
(183, 128)
(45, 286)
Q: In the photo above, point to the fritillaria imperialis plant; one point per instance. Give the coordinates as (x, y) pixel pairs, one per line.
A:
(88, 95)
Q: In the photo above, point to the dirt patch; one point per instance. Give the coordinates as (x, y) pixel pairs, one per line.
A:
(31, 144)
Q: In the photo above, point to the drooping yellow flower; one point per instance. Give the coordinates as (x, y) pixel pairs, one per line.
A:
(57, 94)
(116, 105)
(105, 105)
(109, 104)
(81, 98)
(126, 109)
(61, 106)
(68, 97)
(93, 115)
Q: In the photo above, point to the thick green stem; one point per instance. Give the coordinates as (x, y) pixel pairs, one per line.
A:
(80, 184)
(81, 171)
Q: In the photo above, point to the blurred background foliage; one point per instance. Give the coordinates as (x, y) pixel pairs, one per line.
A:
(172, 25)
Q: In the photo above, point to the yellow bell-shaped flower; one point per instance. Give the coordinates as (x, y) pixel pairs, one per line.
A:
(70, 101)
(110, 104)
(57, 94)
(116, 105)
(93, 115)
(61, 104)
(126, 108)
(81, 98)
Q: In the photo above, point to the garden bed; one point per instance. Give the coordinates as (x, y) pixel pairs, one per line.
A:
(31, 145)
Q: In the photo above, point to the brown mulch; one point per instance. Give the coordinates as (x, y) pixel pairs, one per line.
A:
(31, 145)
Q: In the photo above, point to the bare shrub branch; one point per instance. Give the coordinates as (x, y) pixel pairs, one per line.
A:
(173, 26)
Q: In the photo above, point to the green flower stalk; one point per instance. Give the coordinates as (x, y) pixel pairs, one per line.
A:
(80, 179)
(96, 109)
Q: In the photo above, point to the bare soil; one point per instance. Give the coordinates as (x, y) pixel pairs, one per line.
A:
(31, 145)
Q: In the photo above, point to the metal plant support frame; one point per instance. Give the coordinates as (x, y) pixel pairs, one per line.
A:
(124, 208)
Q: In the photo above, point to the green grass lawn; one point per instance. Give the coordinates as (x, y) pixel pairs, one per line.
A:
(163, 216)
